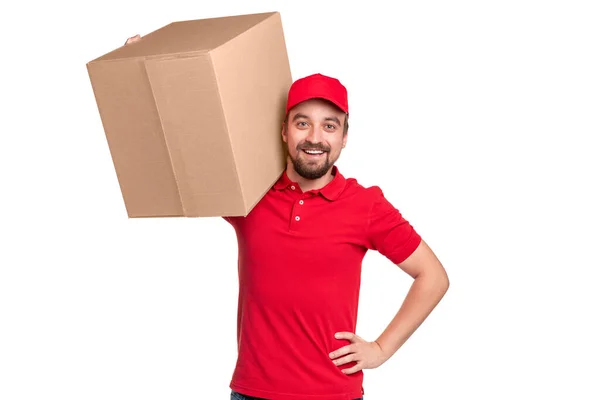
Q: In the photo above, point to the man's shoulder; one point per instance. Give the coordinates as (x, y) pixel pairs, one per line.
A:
(360, 198)
(364, 191)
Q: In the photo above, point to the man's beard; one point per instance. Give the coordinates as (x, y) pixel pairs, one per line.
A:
(310, 170)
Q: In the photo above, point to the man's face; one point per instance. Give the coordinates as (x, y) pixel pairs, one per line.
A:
(314, 134)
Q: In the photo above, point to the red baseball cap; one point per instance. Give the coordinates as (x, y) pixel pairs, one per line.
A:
(318, 86)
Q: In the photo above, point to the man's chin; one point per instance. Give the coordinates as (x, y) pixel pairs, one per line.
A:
(311, 173)
(310, 169)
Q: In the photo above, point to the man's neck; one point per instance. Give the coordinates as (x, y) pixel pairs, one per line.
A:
(308, 184)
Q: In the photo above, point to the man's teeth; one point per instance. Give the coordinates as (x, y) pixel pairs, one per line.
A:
(314, 151)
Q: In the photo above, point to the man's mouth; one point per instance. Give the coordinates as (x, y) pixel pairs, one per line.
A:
(314, 153)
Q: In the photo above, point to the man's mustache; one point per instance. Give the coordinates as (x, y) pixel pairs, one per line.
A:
(318, 147)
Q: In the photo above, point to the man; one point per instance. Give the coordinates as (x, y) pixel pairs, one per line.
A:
(300, 254)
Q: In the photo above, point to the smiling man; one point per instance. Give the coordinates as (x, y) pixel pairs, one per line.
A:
(315, 128)
(300, 253)
(300, 258)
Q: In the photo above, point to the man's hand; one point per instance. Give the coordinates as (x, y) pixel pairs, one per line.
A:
(133, 39)
(367, 355)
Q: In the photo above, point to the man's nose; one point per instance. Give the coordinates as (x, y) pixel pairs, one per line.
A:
(315, 135)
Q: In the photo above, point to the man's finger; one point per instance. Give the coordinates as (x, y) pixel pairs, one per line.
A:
(133, 39)
(351, 336)
(344, 335)
(352, 370)
(345, 360)
(341, 351)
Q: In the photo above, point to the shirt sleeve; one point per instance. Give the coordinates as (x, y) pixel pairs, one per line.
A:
(388, 232)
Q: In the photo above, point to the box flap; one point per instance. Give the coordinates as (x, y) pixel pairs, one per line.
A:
(135, 138)
(189, 105)
(254, 99)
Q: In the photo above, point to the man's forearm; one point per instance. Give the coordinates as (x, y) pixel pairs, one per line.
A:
(423, 296)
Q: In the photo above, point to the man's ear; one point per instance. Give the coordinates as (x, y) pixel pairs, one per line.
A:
(283, 132)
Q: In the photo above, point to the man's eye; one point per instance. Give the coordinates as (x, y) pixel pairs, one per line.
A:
(329, 126)
(301, 123)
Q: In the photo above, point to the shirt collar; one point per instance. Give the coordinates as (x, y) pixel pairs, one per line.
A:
(331, 191)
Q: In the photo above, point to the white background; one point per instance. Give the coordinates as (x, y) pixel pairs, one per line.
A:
(478, 119)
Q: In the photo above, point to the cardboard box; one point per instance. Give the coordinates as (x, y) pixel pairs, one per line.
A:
(192, 114)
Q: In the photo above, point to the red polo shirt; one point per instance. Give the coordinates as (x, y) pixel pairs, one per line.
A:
(300, 257)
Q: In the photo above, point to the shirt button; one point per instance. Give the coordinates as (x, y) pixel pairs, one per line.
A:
(293, 187)
(297, 218)
(301, 202)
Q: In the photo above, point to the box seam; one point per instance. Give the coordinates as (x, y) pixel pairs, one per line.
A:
(162, 128)
(235, 165)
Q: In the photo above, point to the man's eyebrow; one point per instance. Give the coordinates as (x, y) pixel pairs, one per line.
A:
(335, 119)
(298, 116)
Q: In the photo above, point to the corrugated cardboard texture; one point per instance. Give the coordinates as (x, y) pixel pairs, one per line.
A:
(192, 114)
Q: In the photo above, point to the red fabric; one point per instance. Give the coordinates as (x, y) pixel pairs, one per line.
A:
(318, 86)
(299, 284)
